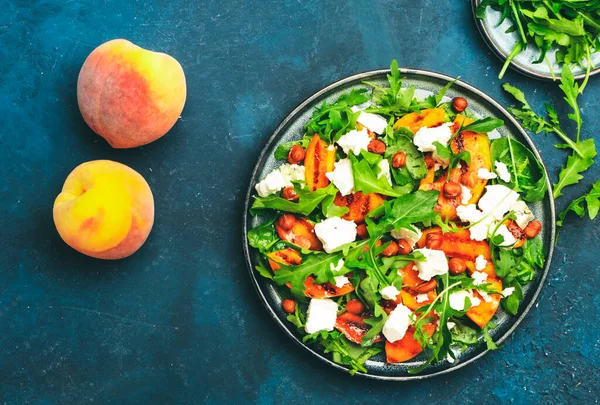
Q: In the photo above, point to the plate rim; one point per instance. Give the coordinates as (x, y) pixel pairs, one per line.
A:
(273, 138)
(514, 65)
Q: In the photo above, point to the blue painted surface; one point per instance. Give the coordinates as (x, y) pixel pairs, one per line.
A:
(179, 320)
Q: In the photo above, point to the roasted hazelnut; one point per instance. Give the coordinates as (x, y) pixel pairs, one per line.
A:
(469, 179)
(378, 243)
(302, 241)
(376, 146)
(456, 266)
(404, 247)
(361, 231)
(355, 307)
(399, 160)
(433, 241)
(459, 104)
(391, 249)
(429, 162)
(286, 221)
(289, 306)
(532, 229)
(425, 287)
(289, 194)
(296, 154)
(452, 190)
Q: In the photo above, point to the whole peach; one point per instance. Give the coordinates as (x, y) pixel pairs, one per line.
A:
(105, 210)
(128, 95)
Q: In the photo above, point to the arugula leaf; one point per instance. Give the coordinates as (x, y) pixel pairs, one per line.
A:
(571, 90)
(283, 149)
(527, 173)
(330, 209)
(264, 236)
(571, 173)
(591, 200)
(406, 210)
(367, 181)
(345, 352)
(483, 125)
(401, 141)
(486, 335)
(307, 201)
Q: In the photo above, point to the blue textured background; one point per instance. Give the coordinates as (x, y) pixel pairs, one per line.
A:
(179, 321)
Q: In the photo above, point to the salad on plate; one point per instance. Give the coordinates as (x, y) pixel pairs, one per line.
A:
(396, 225)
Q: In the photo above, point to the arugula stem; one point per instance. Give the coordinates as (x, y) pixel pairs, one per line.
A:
(516, 9)
(589, 20)
(587, 73)
(513, 161)
(567, 140)
(444, 293)
(550, 68)
(515, 51)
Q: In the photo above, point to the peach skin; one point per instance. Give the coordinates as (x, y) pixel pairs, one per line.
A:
(128, 95)
(105, 210)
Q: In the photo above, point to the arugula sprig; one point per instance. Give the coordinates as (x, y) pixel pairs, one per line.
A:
(590, 200)
(306, 204)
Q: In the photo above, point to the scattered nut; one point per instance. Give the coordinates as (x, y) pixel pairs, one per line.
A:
(390, 250)
(286, 221)
(456, 266)
(469, 179)
(399, 160)
(296, 154)
(355, 307)
(425, 287)
(376, 146)
(459, 104)
(404, 247)
(532, 229)
(289, 306)
(290, 194)
(433, 241)
(452, 190)
(361, 231)
(302, 241)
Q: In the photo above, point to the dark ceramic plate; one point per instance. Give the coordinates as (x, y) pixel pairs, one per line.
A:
(502, 43)
(291, 128)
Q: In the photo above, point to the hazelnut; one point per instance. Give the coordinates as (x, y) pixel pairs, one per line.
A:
(286, 221)
(452, 190)
(532, 229)
(433, 241)
(302, 241)
(429, 162)
(290, 194)
(289, 306)
(376, 146)
(469, 179)
(459, 104)
(456, 266)
(355, 307)
(390, 250)
(425, 286)
(399, 160)
(378, 243)
(362, 232)
(296, 154)
(404, 247)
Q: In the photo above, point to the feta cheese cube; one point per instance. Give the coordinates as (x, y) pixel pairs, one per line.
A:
(384, 170)
(425, 137)
(389, 293)
(280, 178)
(457, 300)
(485, 174)
(465, 195)
(480, 262)
(435, 264)
(522, 213)
(480, 223)
(486, 297)
(375, 123)
(354, 141)
(421, 298)
(497, 200)
(479, 277)
(321, 315)
(397, 323)
(342, 176)
(335, 232)
(340, 281)
(508, 291)
(502, 171)
(410, 236)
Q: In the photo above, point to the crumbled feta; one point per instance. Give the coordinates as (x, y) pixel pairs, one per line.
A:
(421, 298)
(280, 178)
(485, 174)
(522, 213)
(479, 277)
(450, 359)
(502, 171)
(375, 123)
(457, 300)
(450, 325)
(497, 200)
(465, 195)
(480, 262)
(397, 323)
(507, 292)
(321, 315)
(509, 238)
(335, 232)
(435, 264)
(338, 266)
(480, 223)
(486, 297)
(340, 281)
(389, 293)
(361, 107)
(410, 236)
(384, 170)
(354, 141)
(425, 137)
(342, 176)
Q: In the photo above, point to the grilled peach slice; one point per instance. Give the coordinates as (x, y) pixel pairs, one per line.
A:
(318, 161)
(359, 205)
(429, 117)
(412, 282)
(409, 299)
(354, 327)
(287, 257)
(325, 290)
(407, 347)
(484, 312)
(302, 233)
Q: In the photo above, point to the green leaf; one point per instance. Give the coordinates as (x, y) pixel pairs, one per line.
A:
(401, 141)
(578, 206)
(367, 181)
(407, 210)
(307, 202)
(330, 209)
(571, 173)
(283, 149)
(264, 236)
(534, 252)
(483, 125)
(571, 90)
